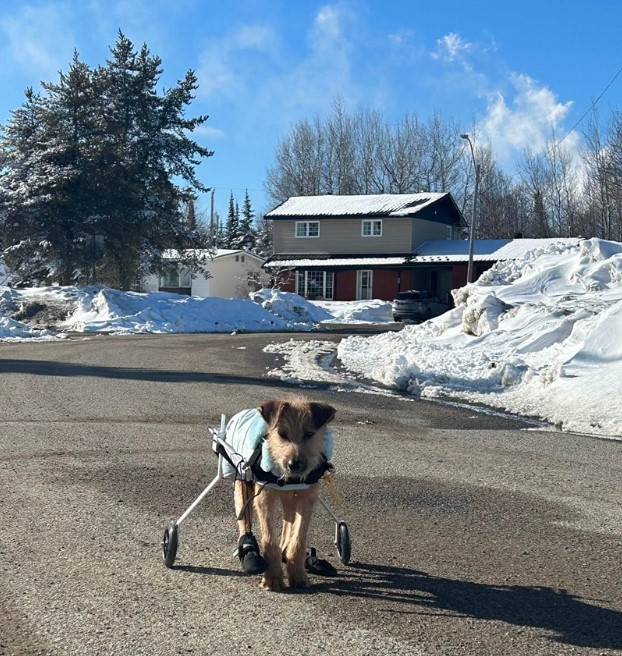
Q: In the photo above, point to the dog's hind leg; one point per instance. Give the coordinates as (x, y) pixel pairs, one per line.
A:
(265, 507)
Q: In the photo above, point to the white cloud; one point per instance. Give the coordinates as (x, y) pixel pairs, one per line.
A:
(527, 120)
(223, 69)
(38, 39)
(209, 132)
(325, 72)
(250, 68)
(253, 36)
(327, 24)
(452, 47)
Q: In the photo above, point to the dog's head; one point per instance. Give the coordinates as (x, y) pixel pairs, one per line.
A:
(296, 434)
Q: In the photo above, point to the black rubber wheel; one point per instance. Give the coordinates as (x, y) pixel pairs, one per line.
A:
(169, 544)
(342, 542)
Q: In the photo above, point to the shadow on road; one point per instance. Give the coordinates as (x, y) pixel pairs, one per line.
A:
(570, 619)
(66, 369)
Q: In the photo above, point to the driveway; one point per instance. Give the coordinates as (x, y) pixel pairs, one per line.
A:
(472, 533)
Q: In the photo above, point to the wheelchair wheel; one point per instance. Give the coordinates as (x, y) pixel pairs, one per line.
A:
(169, 544)
(342, 542)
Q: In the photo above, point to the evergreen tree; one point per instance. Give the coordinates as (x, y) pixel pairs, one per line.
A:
(101, 152)
(248, 236)
(191, 216)
(263, 241)
(233, 224)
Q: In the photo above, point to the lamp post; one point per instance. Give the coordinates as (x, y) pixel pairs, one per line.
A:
(472, 226)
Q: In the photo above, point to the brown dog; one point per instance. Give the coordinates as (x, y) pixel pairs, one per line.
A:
(296, 442)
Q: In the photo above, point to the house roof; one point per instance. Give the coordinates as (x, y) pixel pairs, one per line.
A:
(209, 254)
(384, 205)
(437, 251)
(484, 250)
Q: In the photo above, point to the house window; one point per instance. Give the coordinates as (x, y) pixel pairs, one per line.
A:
(175, 275)
(371, 228)
(363, 285)
(307, 228)
(315, 284)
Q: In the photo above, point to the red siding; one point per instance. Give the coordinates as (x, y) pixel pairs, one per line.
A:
(385, 284)
(286, 280)
(459, 276)
(345, 285)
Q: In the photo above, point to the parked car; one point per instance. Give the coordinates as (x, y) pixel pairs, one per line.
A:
(414, 305)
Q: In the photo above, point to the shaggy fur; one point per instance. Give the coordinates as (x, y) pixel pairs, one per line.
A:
(296, 441)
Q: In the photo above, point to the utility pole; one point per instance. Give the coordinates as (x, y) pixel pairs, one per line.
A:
(211, 221)
(476, 168)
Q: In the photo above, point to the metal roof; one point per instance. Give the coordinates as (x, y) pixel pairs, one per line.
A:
(439, 251)
(364, 205)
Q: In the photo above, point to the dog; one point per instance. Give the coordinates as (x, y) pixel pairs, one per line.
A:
(296, 449)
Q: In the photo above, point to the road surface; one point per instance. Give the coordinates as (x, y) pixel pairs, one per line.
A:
(472, 533)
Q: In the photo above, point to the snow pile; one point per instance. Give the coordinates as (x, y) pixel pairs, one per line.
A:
(118, 312)
(538, 336)
(104, 310)
(373, 311)
(290, 307)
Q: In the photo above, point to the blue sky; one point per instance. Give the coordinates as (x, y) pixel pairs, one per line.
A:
(520, 71)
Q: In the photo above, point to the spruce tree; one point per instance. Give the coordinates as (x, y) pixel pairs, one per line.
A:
(263, 241)
(100, 152)
(248, 235)
(232, 231)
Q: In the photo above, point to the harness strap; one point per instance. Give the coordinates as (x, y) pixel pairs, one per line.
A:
(313, 477)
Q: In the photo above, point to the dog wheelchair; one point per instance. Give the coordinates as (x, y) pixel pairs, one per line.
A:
(243, 469)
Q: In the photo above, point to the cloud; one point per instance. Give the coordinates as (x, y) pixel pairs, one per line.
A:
(38, 39)
(452, 47)
(209, 132)
(527, 119)
(224, 68)
(253, 70)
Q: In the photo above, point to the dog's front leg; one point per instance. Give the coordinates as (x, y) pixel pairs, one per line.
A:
(265, 504)
(303, 502)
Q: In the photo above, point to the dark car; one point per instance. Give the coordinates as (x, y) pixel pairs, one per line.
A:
(414, 305)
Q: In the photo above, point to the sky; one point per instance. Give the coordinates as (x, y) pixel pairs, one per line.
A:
(514, 73)
(537, 337)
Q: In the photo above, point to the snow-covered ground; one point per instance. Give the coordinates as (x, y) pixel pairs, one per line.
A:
(540, 336)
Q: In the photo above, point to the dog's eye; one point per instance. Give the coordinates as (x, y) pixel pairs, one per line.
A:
(283, 436)
(308, 435)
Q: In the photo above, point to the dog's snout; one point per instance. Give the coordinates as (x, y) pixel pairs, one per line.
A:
(295, 465)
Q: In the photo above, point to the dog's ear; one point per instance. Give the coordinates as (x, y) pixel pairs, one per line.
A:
(322, 413)
(271, 411)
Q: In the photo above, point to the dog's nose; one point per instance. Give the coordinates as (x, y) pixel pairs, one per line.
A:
(295, 465)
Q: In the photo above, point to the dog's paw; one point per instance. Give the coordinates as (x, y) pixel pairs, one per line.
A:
(273, 583)
(298, 580)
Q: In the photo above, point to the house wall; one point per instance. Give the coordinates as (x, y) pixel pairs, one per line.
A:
(384, 284)
(345, 285)
(425, 230)
(343, 236)
(230, 279)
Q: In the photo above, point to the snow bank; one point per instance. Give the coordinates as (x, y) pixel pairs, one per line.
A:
(539, 336)
(373, 311)
(290, 307)
(110, 310)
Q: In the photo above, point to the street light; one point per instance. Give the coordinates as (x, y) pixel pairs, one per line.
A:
(472, 226)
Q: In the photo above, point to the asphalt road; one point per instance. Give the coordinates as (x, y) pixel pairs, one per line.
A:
(472, 534)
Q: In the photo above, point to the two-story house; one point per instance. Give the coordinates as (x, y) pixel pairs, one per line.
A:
(362, 247)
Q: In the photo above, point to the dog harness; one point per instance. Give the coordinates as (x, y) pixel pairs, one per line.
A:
(246, 432)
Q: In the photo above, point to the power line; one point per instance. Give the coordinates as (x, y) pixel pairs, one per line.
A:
(591, 107)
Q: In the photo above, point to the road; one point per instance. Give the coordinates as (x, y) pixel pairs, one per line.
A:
(472, 533)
